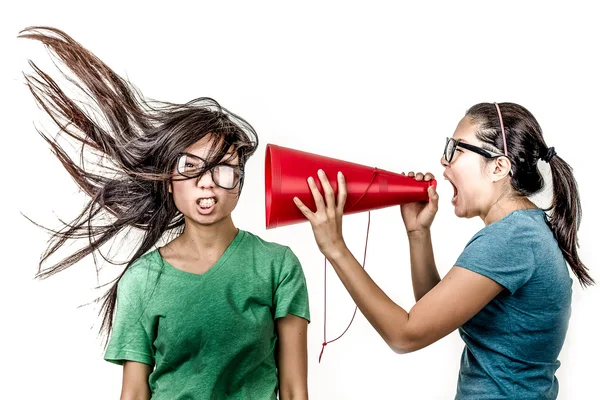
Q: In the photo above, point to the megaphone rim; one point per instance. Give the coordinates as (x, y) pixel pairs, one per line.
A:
(269, 183)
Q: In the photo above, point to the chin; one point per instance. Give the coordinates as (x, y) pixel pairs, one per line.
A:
(460, 212)
(211, 219)
(464, 213)
(205, 221)
(208, 220)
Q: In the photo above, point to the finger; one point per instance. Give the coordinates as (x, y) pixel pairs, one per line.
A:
(429, 176)
(342, 193)
(419, 176)
(316, 194)
(303, 209)
(327, 189)
(433, 198)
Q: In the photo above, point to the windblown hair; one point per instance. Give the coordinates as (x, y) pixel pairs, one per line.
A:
(525, 147)
(135, 144)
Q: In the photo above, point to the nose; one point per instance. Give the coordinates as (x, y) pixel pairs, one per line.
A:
(444, 162)
(205, 181)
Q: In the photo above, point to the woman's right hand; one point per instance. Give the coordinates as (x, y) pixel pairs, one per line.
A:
(418, 216)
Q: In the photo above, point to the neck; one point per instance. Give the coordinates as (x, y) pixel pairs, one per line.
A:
(200, 239)
(504, 206)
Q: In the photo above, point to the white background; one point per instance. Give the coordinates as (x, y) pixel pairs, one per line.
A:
(381, 84)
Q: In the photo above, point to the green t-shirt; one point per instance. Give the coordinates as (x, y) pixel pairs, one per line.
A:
(209, 336)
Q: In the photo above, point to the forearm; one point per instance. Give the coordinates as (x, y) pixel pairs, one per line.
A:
(388, 319)
(422, 263)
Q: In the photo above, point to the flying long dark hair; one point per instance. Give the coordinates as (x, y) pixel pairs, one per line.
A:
(526, 146)
(134, 144)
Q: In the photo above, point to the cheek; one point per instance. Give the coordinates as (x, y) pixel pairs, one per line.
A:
(182, 191)
(469, 179)
(229, 197)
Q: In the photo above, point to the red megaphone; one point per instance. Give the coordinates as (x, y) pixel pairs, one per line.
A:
(286, 171)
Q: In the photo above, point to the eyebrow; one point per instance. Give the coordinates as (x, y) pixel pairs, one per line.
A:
(231, 155)
(465, 142)
(224, 160)
(197, 156)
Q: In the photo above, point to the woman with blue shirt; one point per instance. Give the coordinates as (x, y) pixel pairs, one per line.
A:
(509, 292)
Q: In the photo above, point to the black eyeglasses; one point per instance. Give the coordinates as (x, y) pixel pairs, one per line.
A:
(223, 175)
(452, 144)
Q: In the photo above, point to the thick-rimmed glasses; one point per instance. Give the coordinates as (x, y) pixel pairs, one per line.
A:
(223, 175)
(452, 144)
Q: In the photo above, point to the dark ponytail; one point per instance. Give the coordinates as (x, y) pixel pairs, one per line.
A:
(565, 216)
(526, 146)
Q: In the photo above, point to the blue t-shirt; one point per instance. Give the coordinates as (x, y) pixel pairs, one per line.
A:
(512, 344)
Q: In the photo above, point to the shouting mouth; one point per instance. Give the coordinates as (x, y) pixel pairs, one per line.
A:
(455, 196)
(206, 203)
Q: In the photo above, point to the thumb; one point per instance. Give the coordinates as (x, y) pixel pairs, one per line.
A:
(433, 197)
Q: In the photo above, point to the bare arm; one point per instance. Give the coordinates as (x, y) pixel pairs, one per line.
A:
(418, 217)
(423, 271)
(292, 357)
(451, 303)
(444, 308)
(135, 381)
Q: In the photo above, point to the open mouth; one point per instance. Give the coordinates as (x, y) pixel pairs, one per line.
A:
(455, 196)
(206, 203)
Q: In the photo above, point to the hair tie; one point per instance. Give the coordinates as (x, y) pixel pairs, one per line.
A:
(550, 153)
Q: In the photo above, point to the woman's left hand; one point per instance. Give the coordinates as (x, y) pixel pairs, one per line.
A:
(326, 222)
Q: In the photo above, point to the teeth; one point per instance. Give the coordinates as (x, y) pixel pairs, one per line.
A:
(205, 203)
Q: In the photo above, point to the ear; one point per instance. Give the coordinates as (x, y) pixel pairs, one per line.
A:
(501, 168)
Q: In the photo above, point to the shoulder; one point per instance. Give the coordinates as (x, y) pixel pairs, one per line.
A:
(142, 271)
(281, 259)
(266, 248)
(519, 230)
(506, 250)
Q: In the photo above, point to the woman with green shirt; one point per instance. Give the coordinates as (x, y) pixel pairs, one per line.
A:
(215, 313)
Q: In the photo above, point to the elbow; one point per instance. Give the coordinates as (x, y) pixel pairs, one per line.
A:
(404, 343)
(134, 396)
(402, 348)
(293, 394)
(293, 389)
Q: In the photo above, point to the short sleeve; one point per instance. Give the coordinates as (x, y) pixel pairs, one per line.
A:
(131, 338)
(291, 294)
(505, 256)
